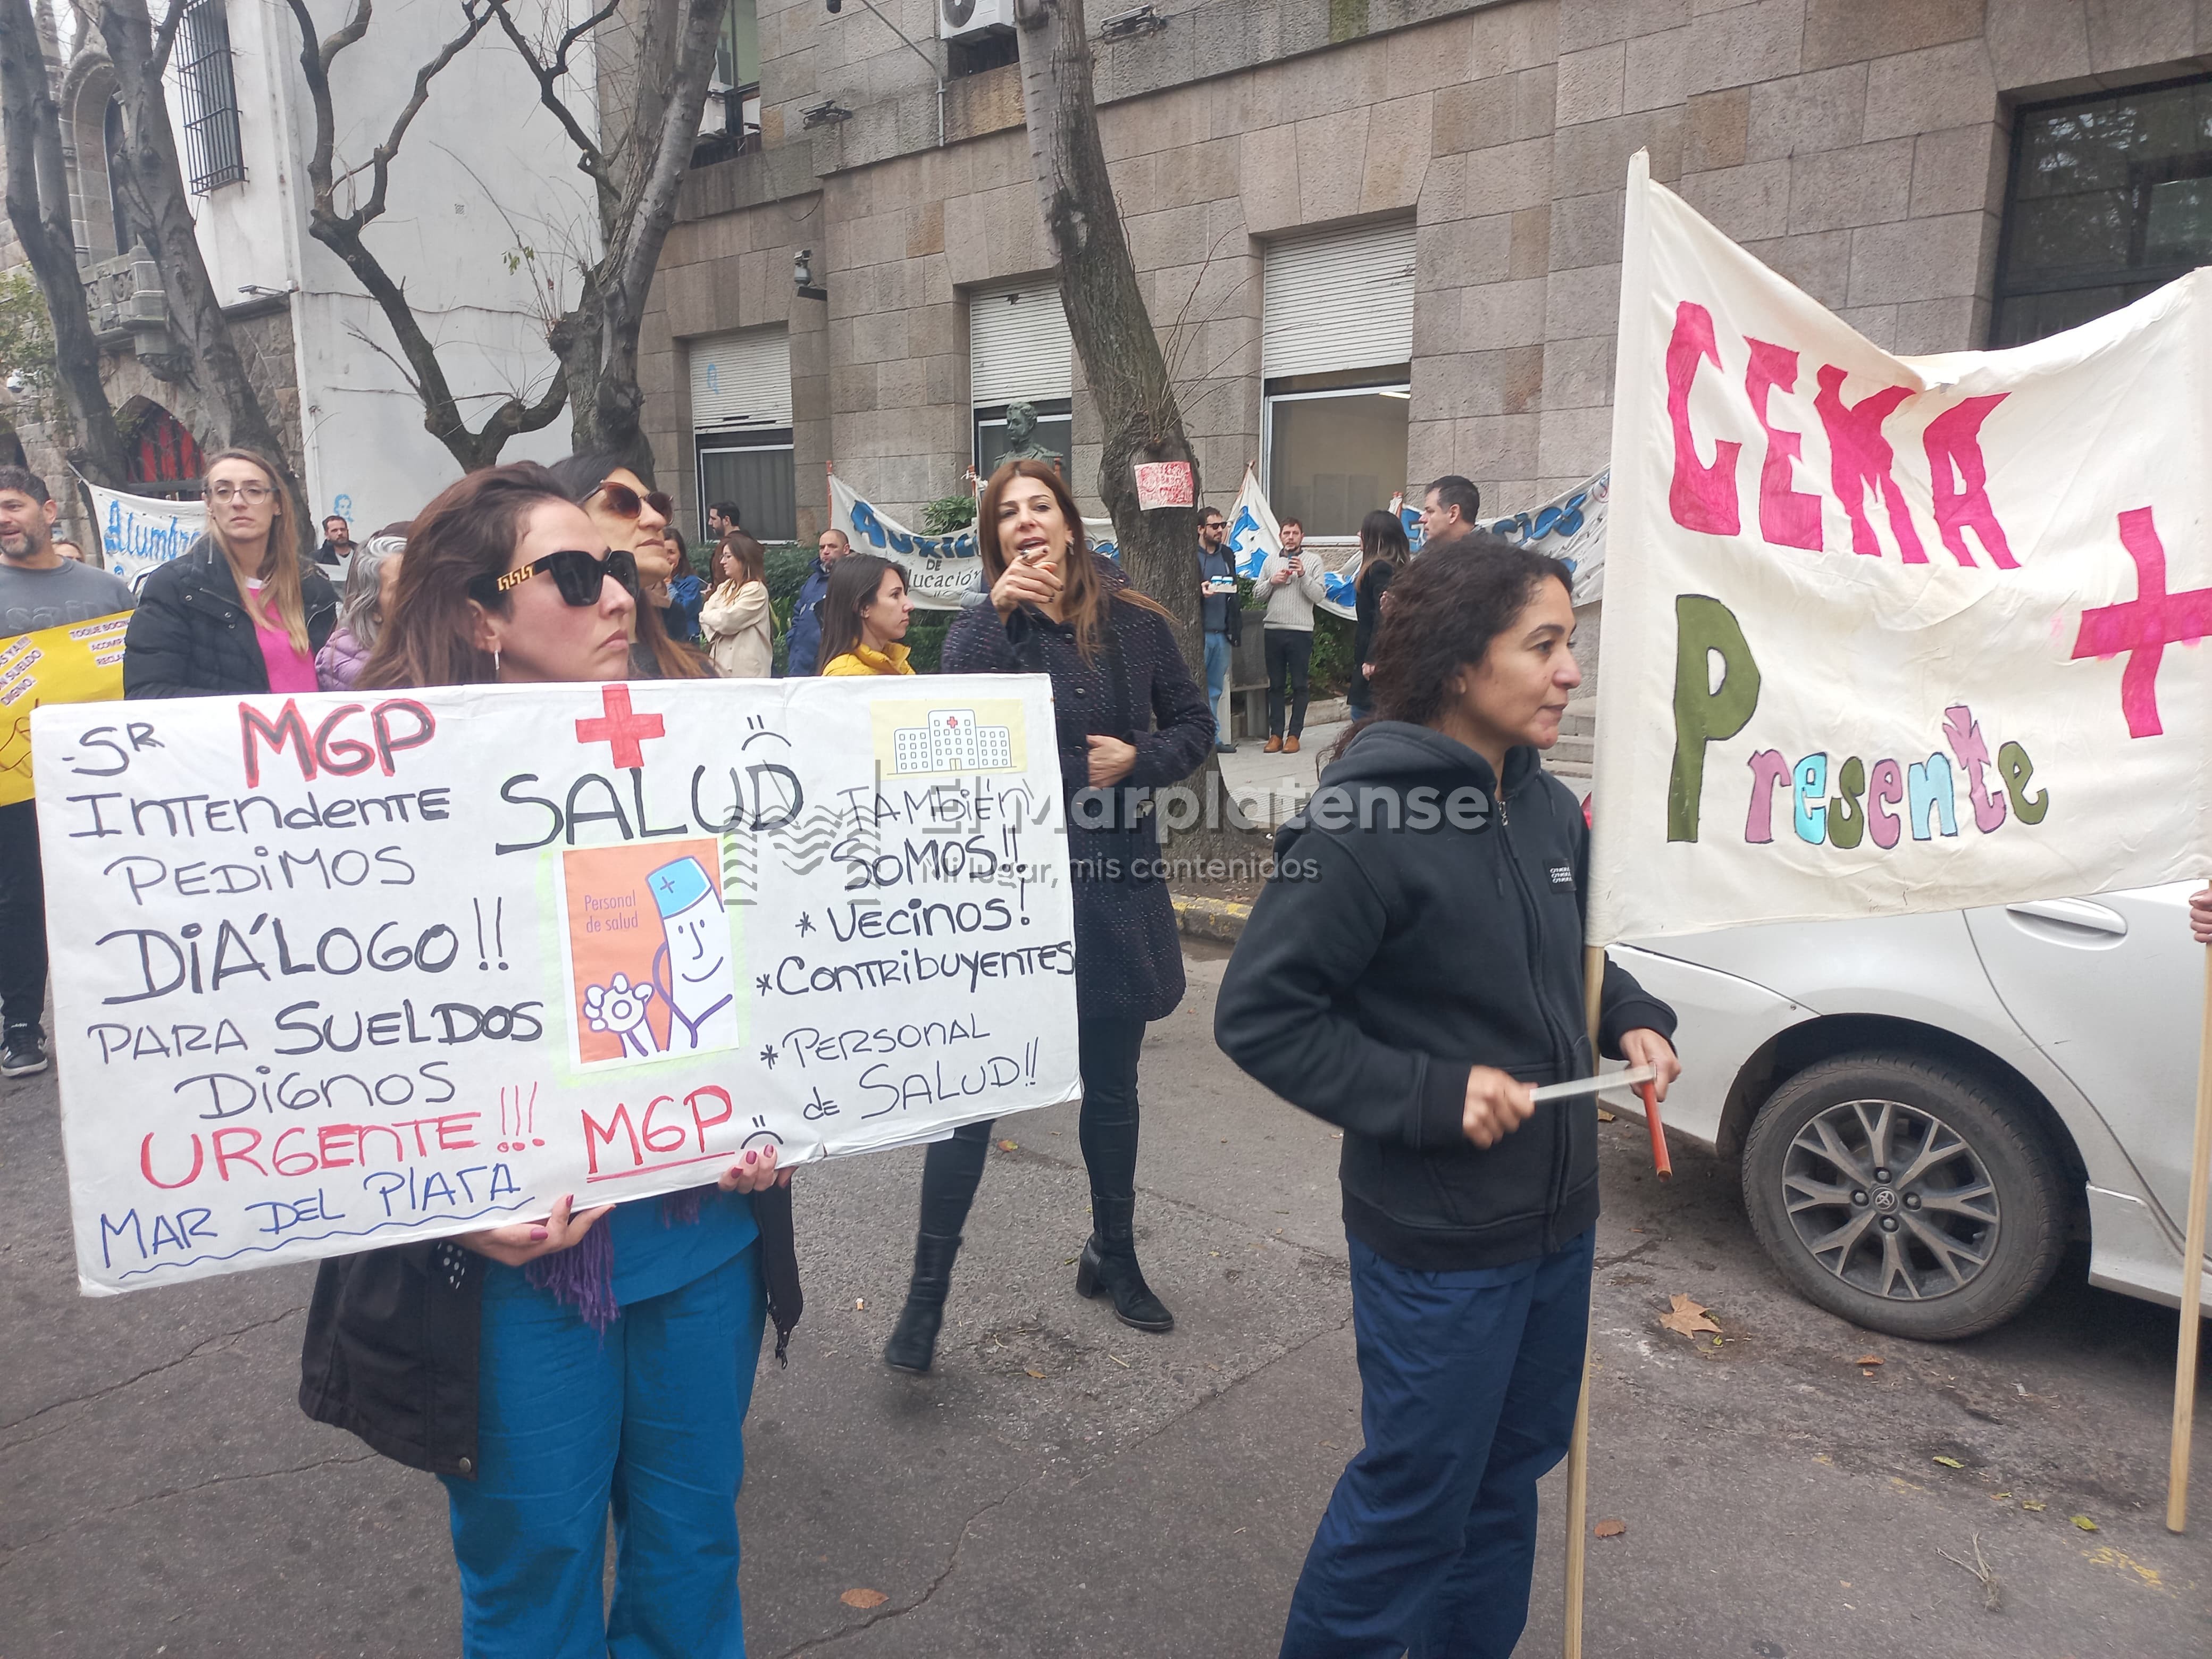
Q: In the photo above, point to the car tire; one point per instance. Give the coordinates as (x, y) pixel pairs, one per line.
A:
(1944, 1218)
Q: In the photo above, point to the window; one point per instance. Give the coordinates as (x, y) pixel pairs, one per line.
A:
(1020, 352)
(741, 429)
(730, 123)
(978, 52)
(213, 155)
(111, 141)
(2110, 197)
(1336, 344)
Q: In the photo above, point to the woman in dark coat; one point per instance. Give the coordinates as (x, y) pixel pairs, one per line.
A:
(1131, 719)
(192, 634)
(1383, 554)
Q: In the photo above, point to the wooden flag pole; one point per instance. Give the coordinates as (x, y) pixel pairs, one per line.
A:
(1578, 1447)
(2192, 1279)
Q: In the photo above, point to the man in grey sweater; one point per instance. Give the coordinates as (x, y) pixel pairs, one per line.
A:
(1292, 584)
(39, 589)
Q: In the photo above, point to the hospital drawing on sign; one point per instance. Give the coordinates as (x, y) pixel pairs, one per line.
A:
(952, 740)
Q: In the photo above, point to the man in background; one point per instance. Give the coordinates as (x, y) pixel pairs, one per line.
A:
(70, 551)
(1221, 613)
(805, 610)
(1292, 584)
(721, 519)
(1449, 511)
(39, 589)
(337, 542)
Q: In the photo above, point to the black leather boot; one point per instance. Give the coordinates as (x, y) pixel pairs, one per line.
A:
(914, 1339)
(1110, 1267)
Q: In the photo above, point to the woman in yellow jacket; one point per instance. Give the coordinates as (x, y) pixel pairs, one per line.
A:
(863, 617)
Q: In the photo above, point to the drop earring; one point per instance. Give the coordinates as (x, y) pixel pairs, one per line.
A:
(494, 662)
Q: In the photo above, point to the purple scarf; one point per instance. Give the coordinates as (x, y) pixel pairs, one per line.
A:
(582, 1277)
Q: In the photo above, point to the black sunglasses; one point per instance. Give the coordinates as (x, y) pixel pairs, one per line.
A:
(580, 576)
(626, 503)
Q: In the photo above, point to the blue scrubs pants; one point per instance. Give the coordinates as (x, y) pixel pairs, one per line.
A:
(648, 1421)
(1468, 1383)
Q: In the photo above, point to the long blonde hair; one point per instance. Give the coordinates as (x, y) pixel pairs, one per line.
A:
(279, 574)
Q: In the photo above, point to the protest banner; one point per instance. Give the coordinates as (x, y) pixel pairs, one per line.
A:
(943, 573)
(1254, 537)
(337, 972)
(138, 532)
(1570, 528)
(74, 662)
(1891, 631)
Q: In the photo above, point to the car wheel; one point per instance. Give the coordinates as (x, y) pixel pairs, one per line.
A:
(1906, 1195)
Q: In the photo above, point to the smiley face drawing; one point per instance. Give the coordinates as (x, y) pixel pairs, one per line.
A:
(691, 968)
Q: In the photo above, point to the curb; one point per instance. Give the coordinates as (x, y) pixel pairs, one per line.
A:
(1207, 918)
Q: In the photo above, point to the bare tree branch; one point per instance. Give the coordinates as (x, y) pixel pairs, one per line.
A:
(590, 158)
(165, 36)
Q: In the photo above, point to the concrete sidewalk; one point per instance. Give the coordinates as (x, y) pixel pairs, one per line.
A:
(1065, 1486)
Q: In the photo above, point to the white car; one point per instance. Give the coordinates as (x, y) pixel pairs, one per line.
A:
(1928, 1107)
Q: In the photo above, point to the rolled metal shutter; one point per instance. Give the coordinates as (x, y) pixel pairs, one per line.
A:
(741, 382)
(1018, 347)
(1340, 299)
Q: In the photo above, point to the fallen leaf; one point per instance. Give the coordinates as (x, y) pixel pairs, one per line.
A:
(1009, 1145)
(1868, 1359)
(1947, 1462)
(2030, 1503)
(864, 1598)
(2085, 1524)
(1605, 1116)
(1687, 1317)
(1611, 1527)
(1038, 1375)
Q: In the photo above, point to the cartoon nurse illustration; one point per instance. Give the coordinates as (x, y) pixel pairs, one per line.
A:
(689, 976)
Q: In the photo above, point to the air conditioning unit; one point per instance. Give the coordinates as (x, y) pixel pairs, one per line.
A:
(960, 19)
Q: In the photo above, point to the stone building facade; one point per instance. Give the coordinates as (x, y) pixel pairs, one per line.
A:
(1864, 149)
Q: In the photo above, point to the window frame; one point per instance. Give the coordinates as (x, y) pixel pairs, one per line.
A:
(1392, 381)
(730, 440)
(207, 88)
(994, 415)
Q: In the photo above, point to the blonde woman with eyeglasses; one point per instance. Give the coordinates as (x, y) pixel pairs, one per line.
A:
(241, 611)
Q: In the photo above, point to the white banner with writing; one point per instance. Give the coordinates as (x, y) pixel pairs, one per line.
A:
(943, 573)
(138, 532)
(1894, 634)
(333, 972)
(1570, 528)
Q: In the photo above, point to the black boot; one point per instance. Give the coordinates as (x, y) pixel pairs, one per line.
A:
(914, 1339)
(1110, 1267)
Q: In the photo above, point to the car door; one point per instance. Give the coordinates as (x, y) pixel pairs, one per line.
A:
(2111, 989)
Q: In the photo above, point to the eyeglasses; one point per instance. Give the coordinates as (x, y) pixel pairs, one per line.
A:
(254, 494)
(1213, 524)
(580, 576)
(626, 503)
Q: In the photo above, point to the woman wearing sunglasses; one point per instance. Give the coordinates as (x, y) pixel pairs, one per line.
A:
(863, 617)
(633, 518)
(241, 611)
(551, 1369)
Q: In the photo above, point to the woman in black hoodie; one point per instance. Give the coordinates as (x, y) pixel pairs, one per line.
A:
(1413, 970)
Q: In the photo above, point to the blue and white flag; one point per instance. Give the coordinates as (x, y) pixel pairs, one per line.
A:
(138, 532)
(1253, 536)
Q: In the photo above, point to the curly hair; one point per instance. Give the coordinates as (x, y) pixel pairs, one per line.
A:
(1443, 611)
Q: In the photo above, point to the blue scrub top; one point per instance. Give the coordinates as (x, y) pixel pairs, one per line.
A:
(653, 1258)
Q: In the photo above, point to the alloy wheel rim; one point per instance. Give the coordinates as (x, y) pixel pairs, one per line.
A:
(1890, 1199)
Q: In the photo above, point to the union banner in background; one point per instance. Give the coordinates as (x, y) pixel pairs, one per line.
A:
(1894, 634)
(75, 662)
(137, 533)
(943, 573)
(1253, 536)
(1570, 528)
(333, 972)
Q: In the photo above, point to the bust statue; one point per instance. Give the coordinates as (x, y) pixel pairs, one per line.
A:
(1021, 437)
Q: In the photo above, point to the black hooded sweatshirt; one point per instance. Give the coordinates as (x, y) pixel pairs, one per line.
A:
(1411, 932)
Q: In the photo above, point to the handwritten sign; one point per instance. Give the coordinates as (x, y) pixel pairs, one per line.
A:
(1894, 634)
(75, 662)
(1164, 484)
(140, 532)
(332, 972)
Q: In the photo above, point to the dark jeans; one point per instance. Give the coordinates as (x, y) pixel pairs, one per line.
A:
(1288, 651)
(1107, 1051)
(22, 917)
(1468, 1385)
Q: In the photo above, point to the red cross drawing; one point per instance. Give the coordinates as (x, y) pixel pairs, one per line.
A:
(2145, 625)
(620, 730)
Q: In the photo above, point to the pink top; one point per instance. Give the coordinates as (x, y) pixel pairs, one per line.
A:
(288, 670)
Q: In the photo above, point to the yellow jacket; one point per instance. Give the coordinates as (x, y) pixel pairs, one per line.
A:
(861, 660)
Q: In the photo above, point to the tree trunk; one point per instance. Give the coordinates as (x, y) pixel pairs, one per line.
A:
(30, 131)
(1138, 415)
(598, 341)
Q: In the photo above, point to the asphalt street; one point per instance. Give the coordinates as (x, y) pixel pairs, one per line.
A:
(1065, 1486)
